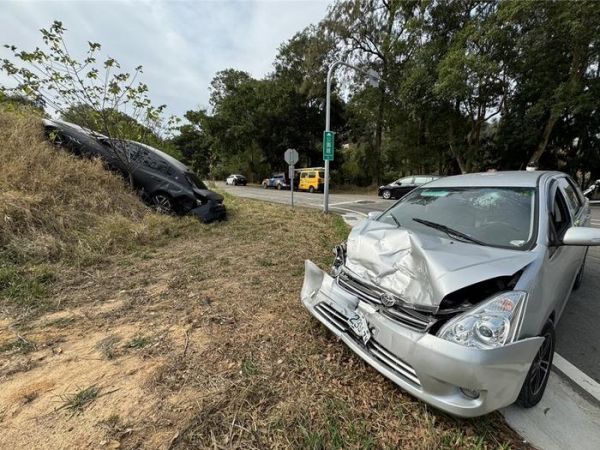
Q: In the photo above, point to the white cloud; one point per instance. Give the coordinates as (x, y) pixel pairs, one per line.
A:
(180, 44)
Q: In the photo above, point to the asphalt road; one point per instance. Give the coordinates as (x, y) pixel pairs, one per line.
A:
(578, 332)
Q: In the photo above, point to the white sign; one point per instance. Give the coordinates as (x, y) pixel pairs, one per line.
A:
(291, 156)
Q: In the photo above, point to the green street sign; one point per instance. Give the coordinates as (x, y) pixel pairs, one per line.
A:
(328, 145)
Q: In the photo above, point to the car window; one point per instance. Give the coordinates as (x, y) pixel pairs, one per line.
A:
(406, 180)
(303, 175)
(559, 216)
(422, 180)
(312, 174)
(573, 200)
(321, 174)
(495, 216)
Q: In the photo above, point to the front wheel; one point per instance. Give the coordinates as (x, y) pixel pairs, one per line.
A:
(539, 372)
(264, 185)
(279, 187)
(162, 203)
(386, 194)
(311, 189)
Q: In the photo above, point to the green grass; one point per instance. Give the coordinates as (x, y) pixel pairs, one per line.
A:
(139, 342)
(249, 367)
(22, 287)
(78, 401)
(19, 345)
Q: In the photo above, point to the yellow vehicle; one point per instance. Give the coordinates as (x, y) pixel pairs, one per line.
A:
(311, 179)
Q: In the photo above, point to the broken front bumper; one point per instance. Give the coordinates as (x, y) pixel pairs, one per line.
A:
(209, 212)
(430, 368)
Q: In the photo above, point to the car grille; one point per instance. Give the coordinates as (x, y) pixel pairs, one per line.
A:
(392, 362)
(405, 316)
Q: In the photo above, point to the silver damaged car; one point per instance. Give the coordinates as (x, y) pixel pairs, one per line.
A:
(454, 292)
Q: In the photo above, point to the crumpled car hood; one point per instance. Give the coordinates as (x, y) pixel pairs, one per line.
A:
(209, 195)
(423, 268)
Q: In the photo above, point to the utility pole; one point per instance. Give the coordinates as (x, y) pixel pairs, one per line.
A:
(374, 80)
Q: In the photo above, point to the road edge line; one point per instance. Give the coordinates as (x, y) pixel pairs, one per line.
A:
(577, 377)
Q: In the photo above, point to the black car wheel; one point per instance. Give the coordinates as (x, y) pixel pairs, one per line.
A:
(311, 189)
(162, 203)
(537, 377)
(279, 186)
(264, 185)
(386, 194)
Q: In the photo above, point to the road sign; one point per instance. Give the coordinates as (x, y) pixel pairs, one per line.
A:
(291, 156)
(328, 145)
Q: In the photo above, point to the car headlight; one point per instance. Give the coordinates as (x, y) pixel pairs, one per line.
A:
(492, 324)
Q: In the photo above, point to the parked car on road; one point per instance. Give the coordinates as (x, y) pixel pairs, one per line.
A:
(401, 187)
(162, 181)
(454, 292)
(277, 181)
(593, 191)
(312, 179)
(236, 180)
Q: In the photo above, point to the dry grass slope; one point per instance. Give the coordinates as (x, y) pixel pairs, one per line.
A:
(53, 204)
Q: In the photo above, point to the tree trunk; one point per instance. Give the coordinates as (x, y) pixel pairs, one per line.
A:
(541, 148)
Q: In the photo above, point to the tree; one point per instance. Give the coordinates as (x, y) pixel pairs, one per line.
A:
(92, 92)
(373, 34)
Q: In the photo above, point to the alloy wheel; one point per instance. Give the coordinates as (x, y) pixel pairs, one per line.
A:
(162, 203)
(540, 369)
(387, 195)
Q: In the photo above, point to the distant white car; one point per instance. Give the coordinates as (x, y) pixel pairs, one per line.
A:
(236, 180)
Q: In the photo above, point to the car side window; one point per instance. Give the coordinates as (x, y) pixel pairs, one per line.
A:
(312, 174)
(422, 180)
(407, 180)
(574, 201)
(560, 218)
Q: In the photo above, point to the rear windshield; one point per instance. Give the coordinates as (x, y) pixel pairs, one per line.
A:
(494, 216)
(194, 180)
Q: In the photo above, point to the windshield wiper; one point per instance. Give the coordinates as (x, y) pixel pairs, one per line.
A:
(449, 231)
(395, 220)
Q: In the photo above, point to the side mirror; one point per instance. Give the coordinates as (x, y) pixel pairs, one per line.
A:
(374, 215)
(584, 236)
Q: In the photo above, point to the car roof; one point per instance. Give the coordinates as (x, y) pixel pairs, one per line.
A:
(515, 178)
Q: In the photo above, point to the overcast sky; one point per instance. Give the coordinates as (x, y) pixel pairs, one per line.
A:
(181, 44)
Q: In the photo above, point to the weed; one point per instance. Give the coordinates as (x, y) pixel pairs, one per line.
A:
(265, 262)
(249, 368)
(139, 342)
(77, 402)
(19, 345)
(107, 346)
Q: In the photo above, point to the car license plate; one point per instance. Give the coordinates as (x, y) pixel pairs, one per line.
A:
(359, 326)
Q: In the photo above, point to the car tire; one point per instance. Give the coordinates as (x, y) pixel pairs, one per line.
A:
(163, 203)
(279, 187)
(537, 378)
(386, 194)
(264, 185)
(579, 278)
(311, 189)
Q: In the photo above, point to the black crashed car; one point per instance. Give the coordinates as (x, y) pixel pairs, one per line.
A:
(401, 187)
(162, 181)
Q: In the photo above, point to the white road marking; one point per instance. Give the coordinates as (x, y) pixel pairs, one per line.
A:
(350, 210)
(582, 380)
